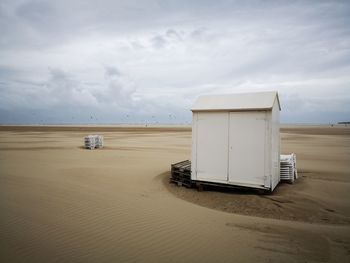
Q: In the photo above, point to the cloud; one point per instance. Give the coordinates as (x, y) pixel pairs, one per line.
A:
(112, 71)
(65, 90)
(117, 90)
(158, 42)
(153, 58)
(172, 34)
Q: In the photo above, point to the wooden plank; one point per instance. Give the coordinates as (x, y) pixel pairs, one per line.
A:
(181, 173)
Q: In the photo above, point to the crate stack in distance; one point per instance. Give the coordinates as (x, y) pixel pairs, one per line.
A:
(288, 168)
(93, 141)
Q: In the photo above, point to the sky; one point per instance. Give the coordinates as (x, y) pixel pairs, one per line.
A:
(111, 61)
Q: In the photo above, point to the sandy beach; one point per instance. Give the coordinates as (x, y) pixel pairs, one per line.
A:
(62, 203)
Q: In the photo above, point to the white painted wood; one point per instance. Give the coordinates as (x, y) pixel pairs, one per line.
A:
(212, 146)
(194, 146)
(275, 145)
(247, 148)
(236, 102)
(268, 147)
(235, 140)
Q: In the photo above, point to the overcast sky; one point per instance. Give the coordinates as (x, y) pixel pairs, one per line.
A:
(146, 61)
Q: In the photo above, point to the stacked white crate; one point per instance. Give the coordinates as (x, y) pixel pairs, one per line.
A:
(93, 141)
(98, 141)
(288, 167)
(89, 142)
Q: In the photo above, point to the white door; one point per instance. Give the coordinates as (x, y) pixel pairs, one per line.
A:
(212, 146)
(247, 148)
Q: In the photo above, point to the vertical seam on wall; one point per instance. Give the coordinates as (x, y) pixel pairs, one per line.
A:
(229, 145)
(196, 131)
(272, 147)
(267, 149)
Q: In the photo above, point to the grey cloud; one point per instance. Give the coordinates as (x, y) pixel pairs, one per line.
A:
(161, 39)
(172, 34)
(116, 91)
(321, 110)
(119, 89)
(169, 52)
(7, 72)
(112, 71)
(293, 103)
(136, 45)
(198, 33)
(158, 41)
(37, 12)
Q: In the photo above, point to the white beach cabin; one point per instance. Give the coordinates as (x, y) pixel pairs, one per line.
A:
(236, 140)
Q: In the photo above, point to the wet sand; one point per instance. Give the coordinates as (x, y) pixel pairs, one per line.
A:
(62, 203)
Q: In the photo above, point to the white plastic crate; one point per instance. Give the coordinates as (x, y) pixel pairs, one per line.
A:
(93, 141)
(288, 167)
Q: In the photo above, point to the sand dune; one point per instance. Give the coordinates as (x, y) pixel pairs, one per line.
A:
(62, 203)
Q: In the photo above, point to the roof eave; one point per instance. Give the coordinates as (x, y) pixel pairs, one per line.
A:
(234, 110)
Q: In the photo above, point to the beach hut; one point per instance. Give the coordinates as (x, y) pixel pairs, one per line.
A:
(236, 140)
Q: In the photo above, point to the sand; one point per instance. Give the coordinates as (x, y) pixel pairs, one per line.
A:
(62, 203)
